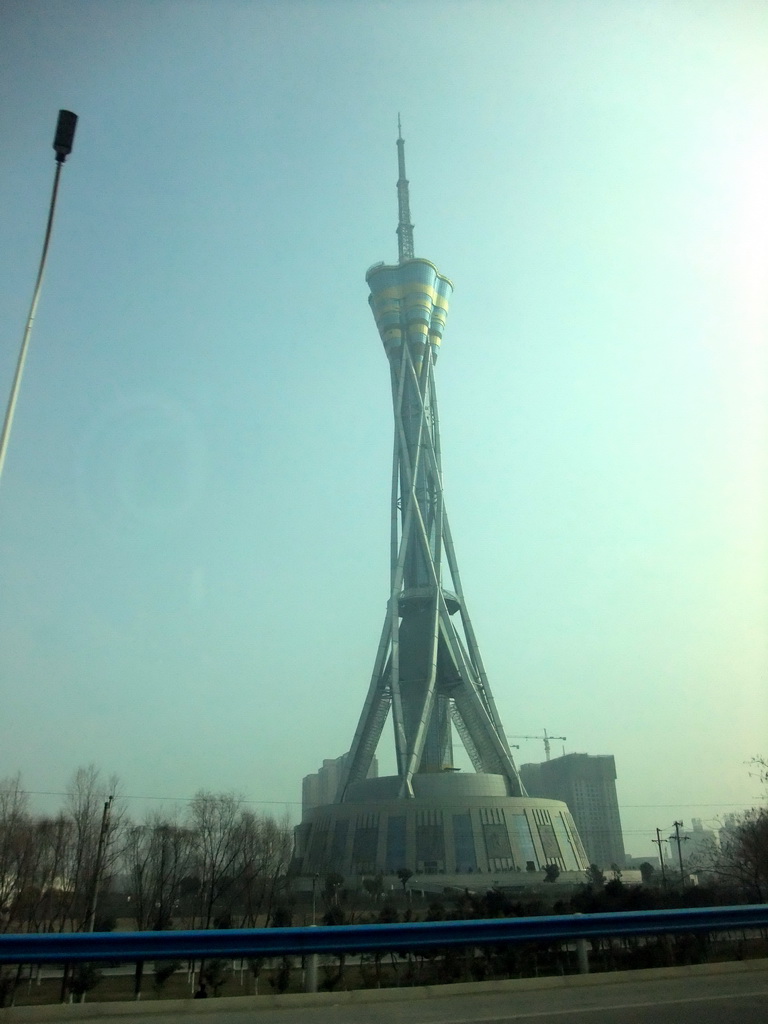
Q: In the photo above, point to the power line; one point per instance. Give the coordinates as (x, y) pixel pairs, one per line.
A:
(162, 799)
(297, 803)
(291, 803)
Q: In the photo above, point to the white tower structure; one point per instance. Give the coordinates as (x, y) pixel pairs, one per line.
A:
(428, 669)
(428, 672)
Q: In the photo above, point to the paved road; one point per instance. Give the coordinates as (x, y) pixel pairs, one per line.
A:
(712, 998)
(719, 1000)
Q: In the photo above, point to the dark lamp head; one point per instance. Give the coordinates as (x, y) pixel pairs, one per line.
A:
(65, 134)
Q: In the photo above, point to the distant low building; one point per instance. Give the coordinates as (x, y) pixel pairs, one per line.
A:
(587, 784)
(637, 862)
(698, 846)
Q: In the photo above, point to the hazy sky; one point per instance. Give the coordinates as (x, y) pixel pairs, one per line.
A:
(194, 519)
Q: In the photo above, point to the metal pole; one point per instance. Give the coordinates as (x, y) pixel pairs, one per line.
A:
(678, 825)
(65, 133)
(93, 896)
(658, 840)
(310, 960)
(90, 917)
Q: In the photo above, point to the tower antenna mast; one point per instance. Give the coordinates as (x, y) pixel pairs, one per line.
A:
(404, 226)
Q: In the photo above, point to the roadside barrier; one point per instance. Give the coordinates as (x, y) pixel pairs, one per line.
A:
(71, 947)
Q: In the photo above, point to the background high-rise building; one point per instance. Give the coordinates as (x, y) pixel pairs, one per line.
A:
(321, 786)
(587, 783)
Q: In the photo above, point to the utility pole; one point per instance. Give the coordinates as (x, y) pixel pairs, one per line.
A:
(89, 919)
(678, 825)
(90, 915)
(314, 899)
(658, 841)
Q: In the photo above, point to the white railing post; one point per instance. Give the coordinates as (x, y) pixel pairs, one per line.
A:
(310, 970)
(582, 953)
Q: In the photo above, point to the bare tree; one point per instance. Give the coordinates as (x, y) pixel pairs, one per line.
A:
(16, 852)
(14, 847)
(262, 864)
(83, 808)
(48, 897)
(217, 838)
(92, 852)
(278, 850)
(759, 770)
(743, 857)
(156, 856)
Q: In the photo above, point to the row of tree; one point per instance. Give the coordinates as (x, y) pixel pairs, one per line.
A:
(217, 864)
(739, 861)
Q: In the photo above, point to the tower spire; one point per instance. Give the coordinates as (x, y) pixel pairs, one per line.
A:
(404, 226)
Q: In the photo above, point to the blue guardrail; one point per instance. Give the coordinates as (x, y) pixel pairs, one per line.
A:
(265, 942)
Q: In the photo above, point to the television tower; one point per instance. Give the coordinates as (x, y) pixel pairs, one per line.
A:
(428, 818)
(427, 671)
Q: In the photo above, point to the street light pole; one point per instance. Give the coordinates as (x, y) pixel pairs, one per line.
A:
(62, 143)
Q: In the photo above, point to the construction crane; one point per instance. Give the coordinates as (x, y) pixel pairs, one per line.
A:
(546, 739)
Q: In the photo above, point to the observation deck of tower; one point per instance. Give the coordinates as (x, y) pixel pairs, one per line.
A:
(428, 672)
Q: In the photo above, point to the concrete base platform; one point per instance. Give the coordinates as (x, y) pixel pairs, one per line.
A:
(458, 826)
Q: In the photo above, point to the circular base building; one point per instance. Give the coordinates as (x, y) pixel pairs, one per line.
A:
(454, 825)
